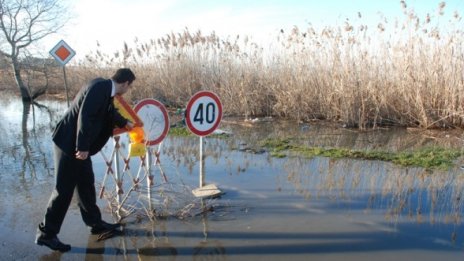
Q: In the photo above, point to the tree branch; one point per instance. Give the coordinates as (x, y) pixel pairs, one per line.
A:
(24, 22)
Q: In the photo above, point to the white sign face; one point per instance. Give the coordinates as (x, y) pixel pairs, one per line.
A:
(155, 120)
(62, 52)
(204, 113)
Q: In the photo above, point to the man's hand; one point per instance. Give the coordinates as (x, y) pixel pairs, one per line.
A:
(129, 125)
(82, 155)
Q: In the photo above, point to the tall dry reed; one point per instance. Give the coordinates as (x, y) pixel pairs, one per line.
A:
(408, 72)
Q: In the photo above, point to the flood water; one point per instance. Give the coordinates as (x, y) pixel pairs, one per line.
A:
(272, 208)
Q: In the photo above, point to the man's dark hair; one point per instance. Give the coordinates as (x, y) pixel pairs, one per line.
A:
(123, 75)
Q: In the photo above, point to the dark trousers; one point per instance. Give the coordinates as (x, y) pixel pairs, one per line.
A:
(71, 175)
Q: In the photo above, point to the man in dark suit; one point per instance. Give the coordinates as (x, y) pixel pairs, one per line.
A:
(83, 131)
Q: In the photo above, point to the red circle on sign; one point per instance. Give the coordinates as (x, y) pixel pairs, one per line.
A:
(192, 102)
(146, 104)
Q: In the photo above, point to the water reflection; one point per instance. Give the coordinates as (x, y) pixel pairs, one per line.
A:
(154, 241)
(412, 193)
(213, 249)
(24, 158)
(402, 194)
(22, 145)
(34, 156)
(157, 244)
(271, 206)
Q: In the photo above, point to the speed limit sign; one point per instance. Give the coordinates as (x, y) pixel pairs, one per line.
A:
(204, 113)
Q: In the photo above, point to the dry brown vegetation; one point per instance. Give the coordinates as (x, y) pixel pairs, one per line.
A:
(407, 72)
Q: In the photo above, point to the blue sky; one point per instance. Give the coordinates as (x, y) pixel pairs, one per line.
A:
(111, 22)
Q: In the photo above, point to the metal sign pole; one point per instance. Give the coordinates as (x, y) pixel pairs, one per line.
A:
(148, 162)
(63, 53)
(202, 176)
(117, 175)
(66, 84)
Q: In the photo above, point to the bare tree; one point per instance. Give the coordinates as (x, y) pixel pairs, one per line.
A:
(22, 23)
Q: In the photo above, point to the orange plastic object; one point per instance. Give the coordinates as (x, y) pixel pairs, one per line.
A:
(137, 135)
(137, 146)
(137, 149)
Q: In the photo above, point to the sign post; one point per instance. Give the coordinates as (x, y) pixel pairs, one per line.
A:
(202, 116)
(63, 53)
(156, 126)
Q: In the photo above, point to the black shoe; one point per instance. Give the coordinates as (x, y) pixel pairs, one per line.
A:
(109, 234)
(103, 227)
(53, 243)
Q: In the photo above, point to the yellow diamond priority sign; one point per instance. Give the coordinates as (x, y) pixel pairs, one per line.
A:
(62, 52)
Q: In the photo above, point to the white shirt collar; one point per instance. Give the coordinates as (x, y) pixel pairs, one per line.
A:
(113, 89)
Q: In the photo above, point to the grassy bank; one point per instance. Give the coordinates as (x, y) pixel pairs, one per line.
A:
(406, 71)
(428, 158)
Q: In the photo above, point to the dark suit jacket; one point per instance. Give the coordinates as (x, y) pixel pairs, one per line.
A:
(89, 122)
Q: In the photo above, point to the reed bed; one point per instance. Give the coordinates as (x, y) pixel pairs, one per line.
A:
(408, 71)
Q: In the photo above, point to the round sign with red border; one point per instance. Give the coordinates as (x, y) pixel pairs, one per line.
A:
(155, 120)
(203, 113)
